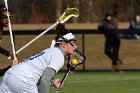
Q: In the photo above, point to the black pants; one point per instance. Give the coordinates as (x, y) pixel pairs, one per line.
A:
(112, 47)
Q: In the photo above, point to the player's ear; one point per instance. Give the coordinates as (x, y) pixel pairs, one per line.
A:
(63, 44)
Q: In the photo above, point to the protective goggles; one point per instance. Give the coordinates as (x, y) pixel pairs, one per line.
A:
(73, 42)
(6, 17)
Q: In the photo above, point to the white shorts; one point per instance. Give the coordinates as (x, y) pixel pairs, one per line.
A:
(11, 84)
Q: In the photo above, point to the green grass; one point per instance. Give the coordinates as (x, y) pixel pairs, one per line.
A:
(100, 82)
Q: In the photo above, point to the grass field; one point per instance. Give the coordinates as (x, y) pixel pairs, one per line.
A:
(100, 82)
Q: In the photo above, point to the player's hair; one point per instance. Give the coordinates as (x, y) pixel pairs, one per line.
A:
(109, 14)
(3, 8)
(61, 31)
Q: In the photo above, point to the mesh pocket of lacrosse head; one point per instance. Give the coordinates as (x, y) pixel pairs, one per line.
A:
(78, 56)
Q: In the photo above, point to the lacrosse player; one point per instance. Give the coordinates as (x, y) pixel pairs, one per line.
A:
(23, 77)
(4, 23)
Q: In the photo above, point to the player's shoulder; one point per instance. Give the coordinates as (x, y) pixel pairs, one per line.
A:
(52, 50)
(56, 50)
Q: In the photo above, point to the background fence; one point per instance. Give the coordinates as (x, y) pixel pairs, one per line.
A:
(90, 42)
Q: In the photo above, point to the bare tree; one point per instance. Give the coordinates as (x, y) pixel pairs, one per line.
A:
(58, 7)
(47, 11)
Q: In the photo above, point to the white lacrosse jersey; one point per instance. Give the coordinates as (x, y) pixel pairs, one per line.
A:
(32, 69)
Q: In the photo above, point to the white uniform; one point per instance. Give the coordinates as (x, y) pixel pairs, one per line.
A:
(25, 75)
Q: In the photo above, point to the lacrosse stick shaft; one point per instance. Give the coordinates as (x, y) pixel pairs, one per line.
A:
(10, 31)
(64, 78)
(12, 41)
(69, 12)
(36, 37)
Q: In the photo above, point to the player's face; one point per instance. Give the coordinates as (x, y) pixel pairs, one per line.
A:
(71, 46)
(4, 19)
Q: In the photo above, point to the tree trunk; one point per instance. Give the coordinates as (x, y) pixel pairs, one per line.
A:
(58, 8)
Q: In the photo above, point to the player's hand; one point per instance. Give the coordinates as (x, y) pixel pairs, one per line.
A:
(11, 56)
(57, 83)
(14, 62)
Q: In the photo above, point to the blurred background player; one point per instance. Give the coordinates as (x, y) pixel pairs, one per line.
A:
(4, 23)
(109, 27)
(47, 63)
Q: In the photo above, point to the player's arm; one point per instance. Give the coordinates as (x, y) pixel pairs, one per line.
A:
(102, 27)
(4, 52)
(46, 80)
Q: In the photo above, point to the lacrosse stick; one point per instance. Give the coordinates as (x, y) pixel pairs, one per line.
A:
(10, 30)
(74, 60)
(68, 13)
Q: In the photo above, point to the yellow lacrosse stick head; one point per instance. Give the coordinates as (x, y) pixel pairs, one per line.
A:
(69, 12)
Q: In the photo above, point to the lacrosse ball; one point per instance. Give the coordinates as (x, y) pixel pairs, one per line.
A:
(74, 62)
